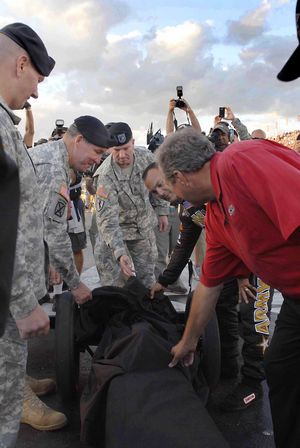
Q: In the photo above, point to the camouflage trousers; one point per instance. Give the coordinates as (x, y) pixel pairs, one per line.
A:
(143, 254)
(13, 356)
(166, 241)
(93, 230)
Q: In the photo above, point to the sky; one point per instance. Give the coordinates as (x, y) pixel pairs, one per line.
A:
(122, 60)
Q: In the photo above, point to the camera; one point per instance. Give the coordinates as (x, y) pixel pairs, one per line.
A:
(222, 112)
(179, 103)
(59, 123)
(59, 130)
(156, 141)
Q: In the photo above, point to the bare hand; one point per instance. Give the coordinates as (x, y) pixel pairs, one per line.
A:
(157, 287)
(163, 223)
(126, 266)
(183, 353)
(37, 323)
(81, 294)
(217, 120)
(229, 114)
(172, 104)
(186, 108)
(54, 276)
(246, 290)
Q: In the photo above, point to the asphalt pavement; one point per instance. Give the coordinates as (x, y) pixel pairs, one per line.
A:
(251, 428)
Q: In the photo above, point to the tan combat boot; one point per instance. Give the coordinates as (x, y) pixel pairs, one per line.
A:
(41, 387)
(36, 414)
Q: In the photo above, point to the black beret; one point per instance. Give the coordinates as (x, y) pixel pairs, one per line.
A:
(26, 38)
(291, 69)
(94, 131)
(121, 133)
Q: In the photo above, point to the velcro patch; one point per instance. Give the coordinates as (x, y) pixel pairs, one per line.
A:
(101, 192)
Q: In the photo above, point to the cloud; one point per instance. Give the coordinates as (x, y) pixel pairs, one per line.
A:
(131, 75)
(251, 25)
(114, 38)
(75, 31)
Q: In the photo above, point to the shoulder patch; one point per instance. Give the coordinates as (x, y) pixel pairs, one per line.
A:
(57, 208)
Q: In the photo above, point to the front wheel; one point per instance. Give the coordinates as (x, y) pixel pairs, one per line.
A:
(67, 353)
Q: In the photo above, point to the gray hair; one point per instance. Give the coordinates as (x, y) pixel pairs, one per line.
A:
(72, 130)
(187, 150)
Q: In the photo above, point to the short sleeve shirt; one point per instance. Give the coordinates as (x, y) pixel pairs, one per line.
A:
(253, 225)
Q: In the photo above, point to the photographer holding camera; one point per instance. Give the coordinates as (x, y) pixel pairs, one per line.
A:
(182, 104)
(171, 123)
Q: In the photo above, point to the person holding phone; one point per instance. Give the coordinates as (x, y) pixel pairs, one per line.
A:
(226, 113)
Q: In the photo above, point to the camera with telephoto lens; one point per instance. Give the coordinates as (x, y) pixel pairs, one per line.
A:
(179, 103)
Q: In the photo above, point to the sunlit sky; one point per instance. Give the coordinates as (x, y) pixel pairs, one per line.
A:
(122, 60)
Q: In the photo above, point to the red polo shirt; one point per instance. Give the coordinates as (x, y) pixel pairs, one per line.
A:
(253, 225)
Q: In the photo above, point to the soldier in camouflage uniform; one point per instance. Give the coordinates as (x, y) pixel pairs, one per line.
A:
(126, 245)
(82, 145)
(24, 63)
(239, 127)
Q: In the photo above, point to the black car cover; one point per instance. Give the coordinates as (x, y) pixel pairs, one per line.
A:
(132, 398)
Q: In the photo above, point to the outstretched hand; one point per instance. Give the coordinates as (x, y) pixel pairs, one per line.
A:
(126, 266)
(183, 353)
(157, 287)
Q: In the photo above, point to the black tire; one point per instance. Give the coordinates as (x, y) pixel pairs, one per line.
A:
(67, 353)
(211, 352)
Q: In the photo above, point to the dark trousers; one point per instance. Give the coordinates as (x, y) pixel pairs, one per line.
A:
(282, 364)
(227, 314)
(253, 329)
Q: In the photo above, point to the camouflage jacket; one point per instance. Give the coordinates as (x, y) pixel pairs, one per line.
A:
(28, 284)
(52, 166)
(123, 208)
(241, 129)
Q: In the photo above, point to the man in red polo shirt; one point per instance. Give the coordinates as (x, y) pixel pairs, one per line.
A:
(252, 225)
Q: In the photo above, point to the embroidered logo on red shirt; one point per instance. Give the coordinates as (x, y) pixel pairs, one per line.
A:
(231, 209)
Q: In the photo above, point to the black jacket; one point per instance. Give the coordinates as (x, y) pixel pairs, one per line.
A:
(192, 223)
